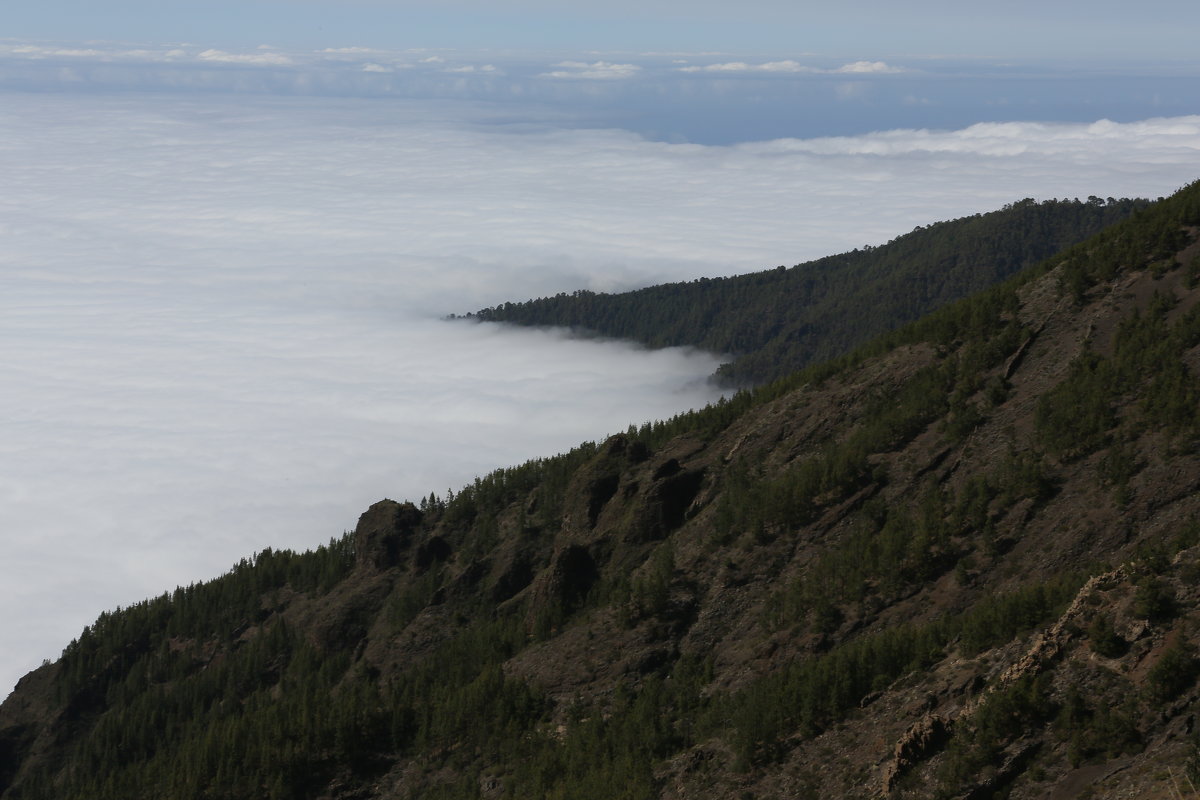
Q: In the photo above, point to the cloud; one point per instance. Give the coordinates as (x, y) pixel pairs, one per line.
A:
(205, 299)
(329, 71)
(795, 67)
(36, 51)
(1079, 143)
(264, 58)
(869, 68)
(39, 52)
(707, 102)
(742, 66)
(597, 70)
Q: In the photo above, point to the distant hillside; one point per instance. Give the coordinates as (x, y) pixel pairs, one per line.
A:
(781, 320)
(960, 562)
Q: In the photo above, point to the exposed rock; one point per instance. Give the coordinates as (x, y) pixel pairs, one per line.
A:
(1015, 762)
(926, 736)
(433, 550)
(343, 625)
(667, 469)
(15, 742)
(599, 491)
(384, 530)
(564, 585)
(515, 576)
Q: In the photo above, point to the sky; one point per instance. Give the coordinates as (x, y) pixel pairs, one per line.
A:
(231, 234)
(1071, 29)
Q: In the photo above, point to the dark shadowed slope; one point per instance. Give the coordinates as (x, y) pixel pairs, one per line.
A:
(781, 320)
(963, 562)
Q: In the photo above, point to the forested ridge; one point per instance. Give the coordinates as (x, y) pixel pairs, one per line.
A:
(962, 560)
(777, 321)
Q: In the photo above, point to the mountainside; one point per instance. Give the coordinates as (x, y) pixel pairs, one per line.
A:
(778, 321)
(961, 562)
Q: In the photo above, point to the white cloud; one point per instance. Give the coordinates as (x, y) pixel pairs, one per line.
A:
(258, 59)
(1016, 141)
(868, 68)
(487, 69)
(36, 51)
(106, 54)
(325, 72)
(596, 70)
(742, 66)
(205, 298)
(795, 67)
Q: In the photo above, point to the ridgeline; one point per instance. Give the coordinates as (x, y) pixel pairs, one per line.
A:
(777, 321)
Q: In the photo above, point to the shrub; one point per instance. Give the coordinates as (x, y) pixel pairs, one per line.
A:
(1174, 672)
(1104, 640)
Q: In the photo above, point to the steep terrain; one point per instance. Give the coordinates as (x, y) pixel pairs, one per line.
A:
(777, 321)
(961, 562)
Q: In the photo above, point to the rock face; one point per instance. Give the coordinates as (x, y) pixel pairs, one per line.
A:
(668, 499)
(383, 532)
(927, 735)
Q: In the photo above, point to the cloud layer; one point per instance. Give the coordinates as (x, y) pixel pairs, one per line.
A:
(706, 97)
(220, 319)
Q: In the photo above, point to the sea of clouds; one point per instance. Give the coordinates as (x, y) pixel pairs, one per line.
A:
(221, 314)
(707, 97)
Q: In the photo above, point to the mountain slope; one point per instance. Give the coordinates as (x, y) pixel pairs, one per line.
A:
(777, 321)
(960, 562)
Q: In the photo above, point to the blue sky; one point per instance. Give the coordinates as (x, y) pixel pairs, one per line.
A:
(1071, 29)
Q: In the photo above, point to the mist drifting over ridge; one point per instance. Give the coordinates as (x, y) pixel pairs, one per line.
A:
(221, 318)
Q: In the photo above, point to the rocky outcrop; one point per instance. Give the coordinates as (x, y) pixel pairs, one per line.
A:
(383, 532)
(667, 499)
(926, 736)
(563, 586)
